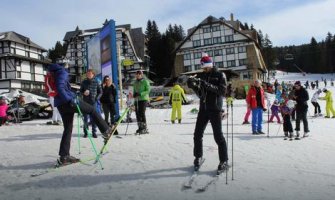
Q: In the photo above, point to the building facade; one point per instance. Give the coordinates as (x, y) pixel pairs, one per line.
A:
(227, 42)
(21, 63)
(130, 44)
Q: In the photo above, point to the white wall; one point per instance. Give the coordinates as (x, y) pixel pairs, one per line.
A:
(25, 76)
(25, 66)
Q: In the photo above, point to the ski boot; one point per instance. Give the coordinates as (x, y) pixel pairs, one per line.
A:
(297, 136)
(66, 160)
(291, 136)
(197, 163)
(285, 135)
(222, 167)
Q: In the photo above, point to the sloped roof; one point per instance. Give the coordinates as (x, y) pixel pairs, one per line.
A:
(137, 37)
(212, 20)
(15, 37)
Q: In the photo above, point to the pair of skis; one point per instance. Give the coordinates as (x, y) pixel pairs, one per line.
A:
(214, 178)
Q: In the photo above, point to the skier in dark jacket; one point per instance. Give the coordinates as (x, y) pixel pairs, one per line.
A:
(108, 99)
(91, 91)
(67, 102)
(210, 86)
(301, 97)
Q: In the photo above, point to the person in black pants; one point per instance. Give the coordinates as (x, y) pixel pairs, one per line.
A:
(91, 91)
(210, 87)
(108, 99)
(141, 90)
(301, 97)
(67, 102)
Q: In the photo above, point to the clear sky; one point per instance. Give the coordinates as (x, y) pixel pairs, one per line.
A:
(287, 22)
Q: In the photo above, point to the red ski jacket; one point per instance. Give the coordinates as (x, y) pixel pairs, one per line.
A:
(251, 98)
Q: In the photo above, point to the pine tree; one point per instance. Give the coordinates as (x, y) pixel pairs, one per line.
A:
(56, 52)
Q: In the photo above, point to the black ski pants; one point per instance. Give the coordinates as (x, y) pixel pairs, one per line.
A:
(67, 113)
(109, 111)
(287, 125)
(317, 108)
(216, 121)
(301, 116)
(140, 107)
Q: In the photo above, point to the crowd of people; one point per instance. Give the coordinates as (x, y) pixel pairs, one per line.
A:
(291, 100)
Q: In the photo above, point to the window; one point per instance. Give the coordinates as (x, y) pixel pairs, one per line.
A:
(218, 52)
(216, 40)
(242, 61)
(188, 68)
(216, 28)
(187, 56)
(210, 53)
(25, 86)
(18, 74)
(218, 64)
(208, 41)
(246, 75)
(231, 63)
(230, 51)
(197, 55)
(206, 30)
(229, 38)
(242, 49)
(196, 43)
(197, 66)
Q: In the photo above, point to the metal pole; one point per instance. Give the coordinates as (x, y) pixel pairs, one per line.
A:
(120, 76)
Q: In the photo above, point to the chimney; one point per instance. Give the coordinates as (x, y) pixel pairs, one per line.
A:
(231, 17)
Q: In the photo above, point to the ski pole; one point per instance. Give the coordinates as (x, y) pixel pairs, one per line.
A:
(232, 142)
(89, 134)
(227, 137)
(268, 101)
(78, 128)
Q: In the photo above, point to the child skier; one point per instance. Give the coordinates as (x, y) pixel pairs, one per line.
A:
(275, 108)
(286, 108)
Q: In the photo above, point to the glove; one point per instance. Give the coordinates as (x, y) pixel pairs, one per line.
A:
(136, 94)
(264, 109)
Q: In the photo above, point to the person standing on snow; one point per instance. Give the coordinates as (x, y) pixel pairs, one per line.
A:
(301, 97)
(210, 87)
(286, 108)
(275, 108)
(329, 103)
(177, 97)
(314, 100)
(256, 102)
(48, 81)
(141, 90)
(67, 102)
(91, 91)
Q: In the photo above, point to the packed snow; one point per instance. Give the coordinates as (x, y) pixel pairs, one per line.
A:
(155, 166)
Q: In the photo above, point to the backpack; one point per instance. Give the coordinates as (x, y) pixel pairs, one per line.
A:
(50, 84)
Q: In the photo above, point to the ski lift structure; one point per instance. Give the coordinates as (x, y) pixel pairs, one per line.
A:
(290, 57)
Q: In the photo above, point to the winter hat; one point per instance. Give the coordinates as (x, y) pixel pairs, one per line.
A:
(297, 83)
(206, 61)
(324, 90)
